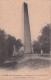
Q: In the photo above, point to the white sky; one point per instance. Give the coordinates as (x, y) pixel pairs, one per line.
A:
(11, 16)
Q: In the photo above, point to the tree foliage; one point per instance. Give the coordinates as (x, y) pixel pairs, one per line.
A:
(6, 45)
(43, 41)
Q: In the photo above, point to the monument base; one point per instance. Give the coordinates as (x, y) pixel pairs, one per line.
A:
(50, 53)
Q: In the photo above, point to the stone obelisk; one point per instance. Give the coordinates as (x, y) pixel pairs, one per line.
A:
(27, 34)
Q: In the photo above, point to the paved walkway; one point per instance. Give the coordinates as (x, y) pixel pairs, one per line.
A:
(30, 56)
(34, 57)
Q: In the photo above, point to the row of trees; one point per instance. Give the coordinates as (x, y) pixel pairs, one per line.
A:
(43, 41)
(7, 42)
(6, 45)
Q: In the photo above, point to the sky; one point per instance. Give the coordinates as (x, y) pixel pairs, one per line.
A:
(11, 16)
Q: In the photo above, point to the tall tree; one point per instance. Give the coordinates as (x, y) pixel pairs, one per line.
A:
(11, 42)
(6, 45)
(3, 52)
(43, 41)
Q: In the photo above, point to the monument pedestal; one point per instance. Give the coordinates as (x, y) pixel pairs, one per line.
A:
(50, 53)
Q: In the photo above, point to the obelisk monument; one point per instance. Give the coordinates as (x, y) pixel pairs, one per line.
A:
(27, 34)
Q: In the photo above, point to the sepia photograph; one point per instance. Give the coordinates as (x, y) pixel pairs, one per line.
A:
(25, 39)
